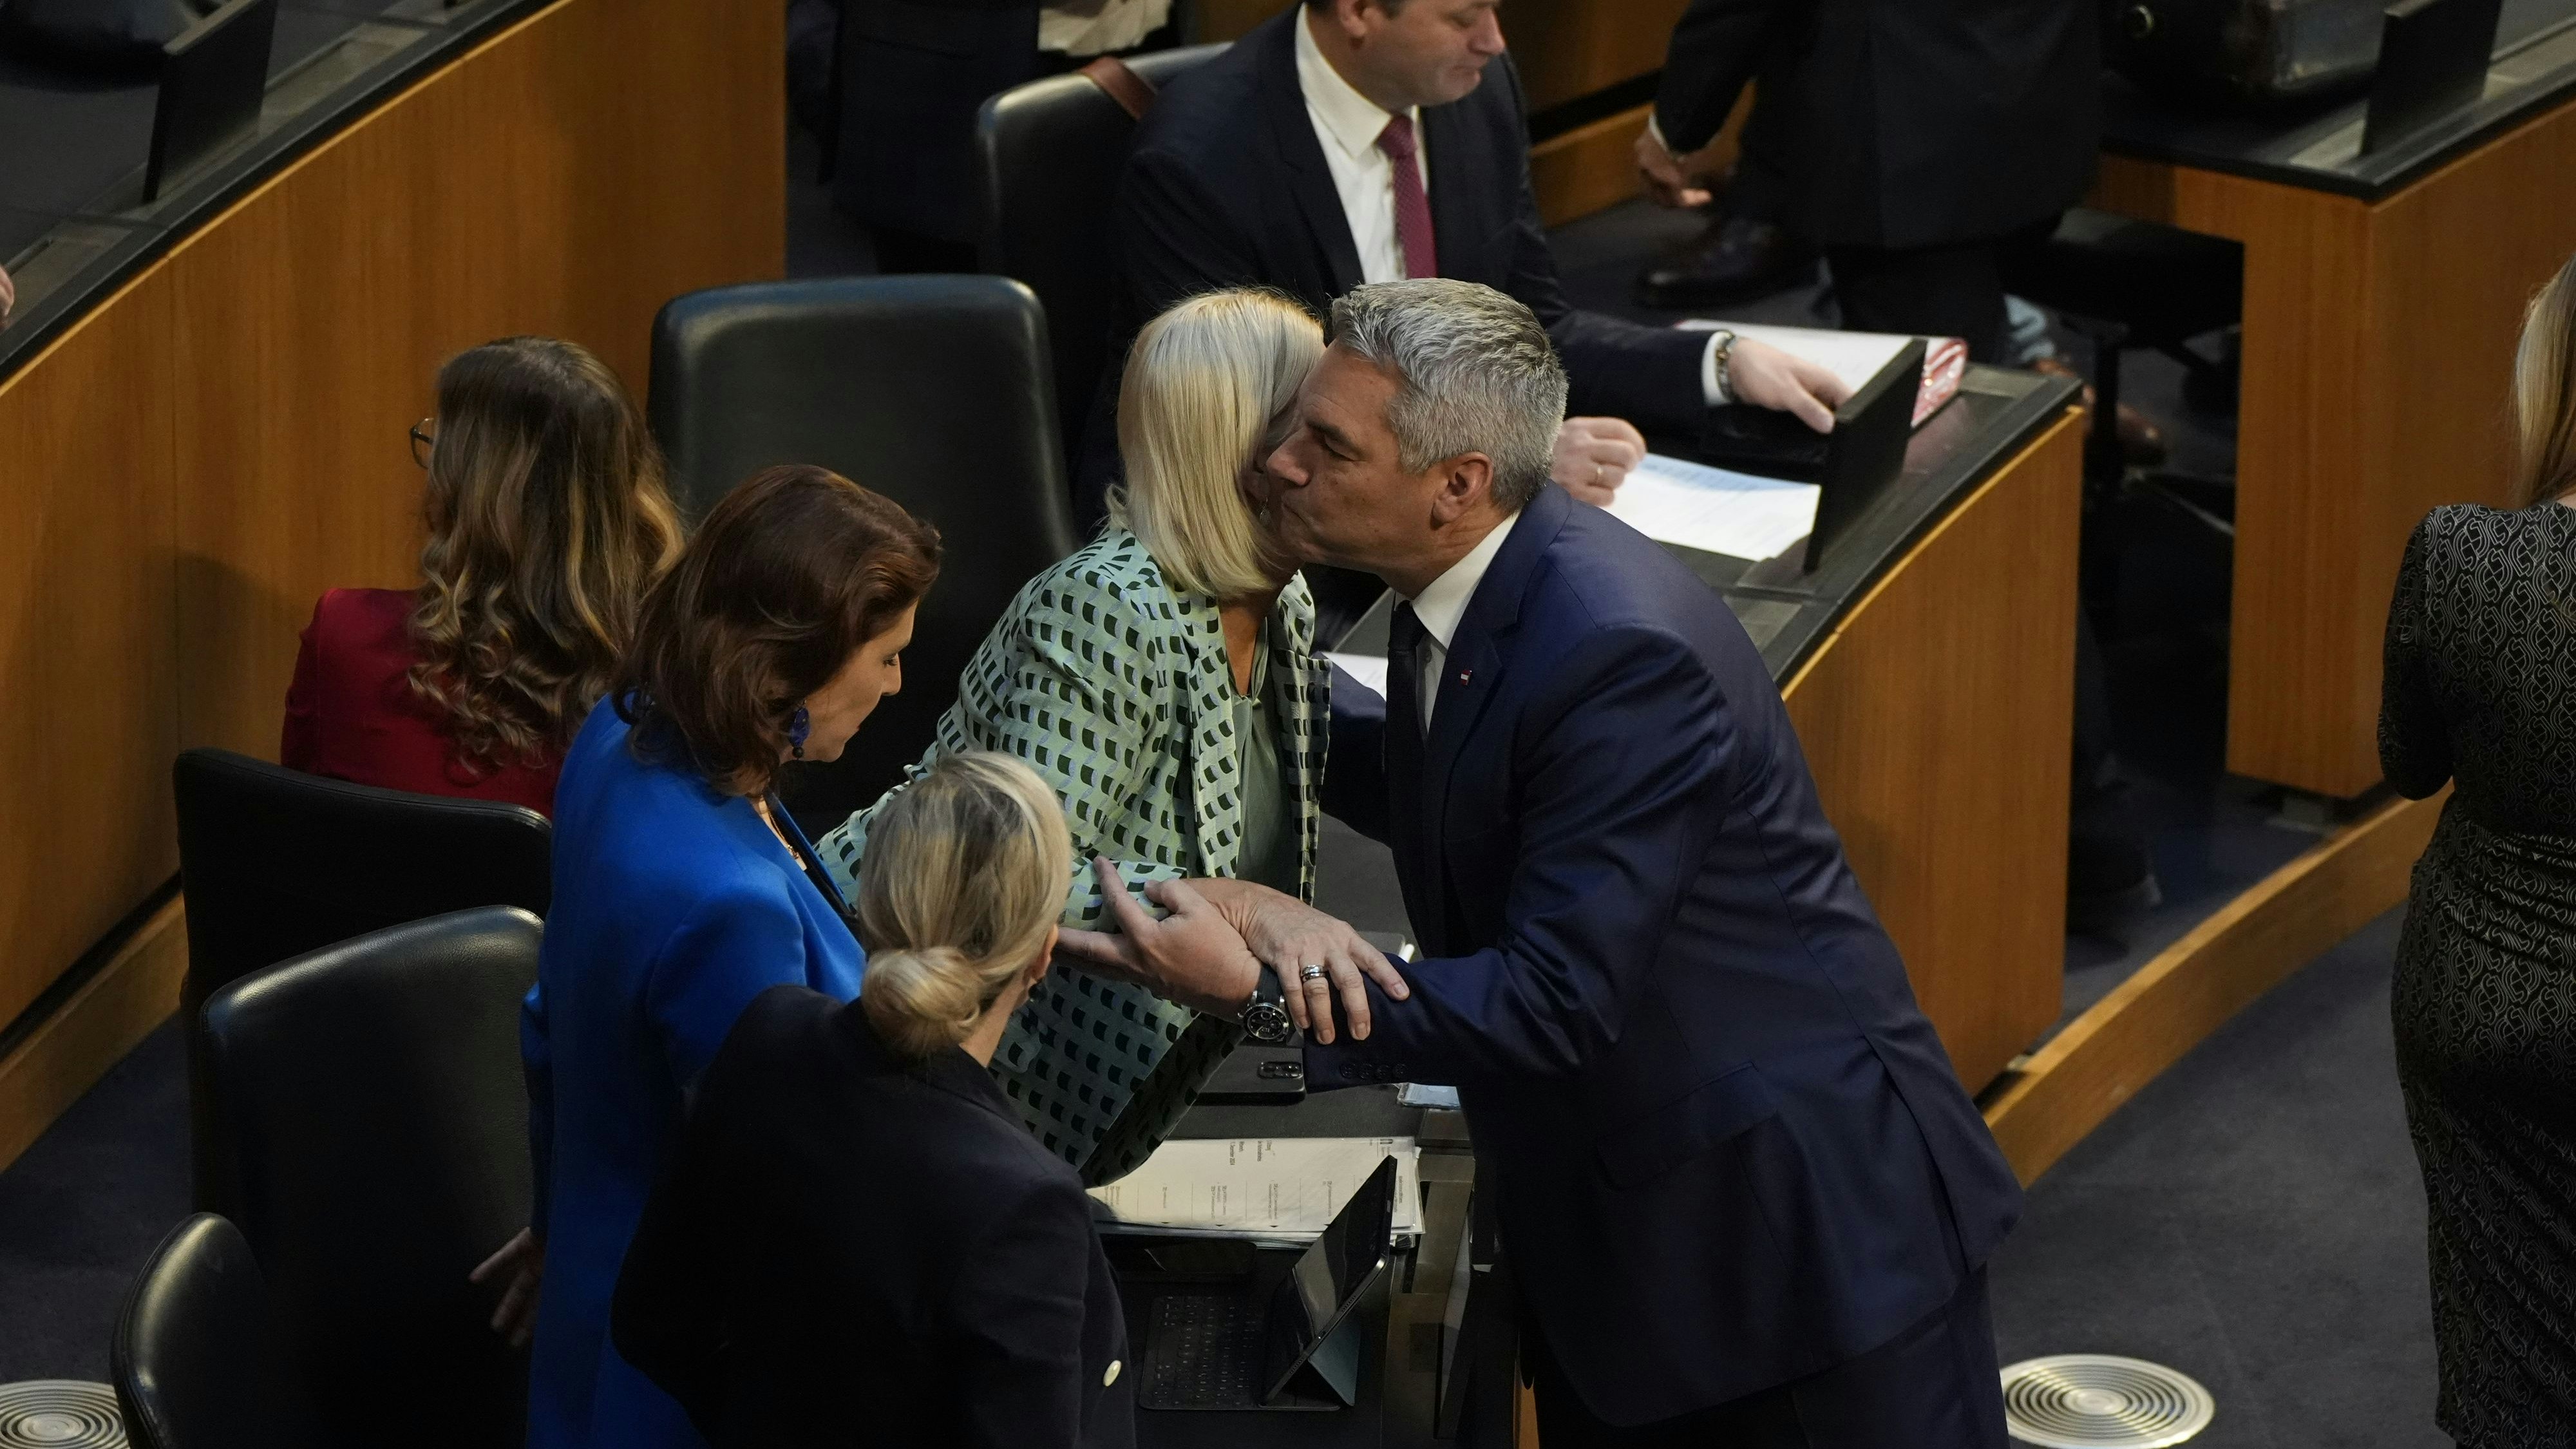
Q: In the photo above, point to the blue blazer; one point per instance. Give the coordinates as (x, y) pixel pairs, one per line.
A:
(1729, 1149)
(674, 906)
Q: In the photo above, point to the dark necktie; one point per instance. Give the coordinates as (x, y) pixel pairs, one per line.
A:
(1412, 204)
(1405, 640)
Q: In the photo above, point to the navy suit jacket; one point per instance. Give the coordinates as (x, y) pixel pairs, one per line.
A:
(1729, 1149)
(1226, 186)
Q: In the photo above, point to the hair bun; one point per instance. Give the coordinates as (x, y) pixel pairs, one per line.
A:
(921, 1000)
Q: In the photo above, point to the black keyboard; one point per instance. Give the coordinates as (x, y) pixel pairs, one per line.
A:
(1202, 1351)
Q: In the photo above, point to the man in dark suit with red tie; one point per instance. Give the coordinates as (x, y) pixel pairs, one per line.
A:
(1746, 1200)
(1350, 141)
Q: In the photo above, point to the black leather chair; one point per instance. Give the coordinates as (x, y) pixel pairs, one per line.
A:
(1047, 156)
(198, 1360)
(276, 863)
(375, 1099)
(932, 390)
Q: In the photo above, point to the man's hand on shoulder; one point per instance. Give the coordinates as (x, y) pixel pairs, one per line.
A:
(1763, 375)
(1594, 455)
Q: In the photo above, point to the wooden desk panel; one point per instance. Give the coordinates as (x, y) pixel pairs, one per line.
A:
(87, 643)
(2378, 351)
(1936, 720)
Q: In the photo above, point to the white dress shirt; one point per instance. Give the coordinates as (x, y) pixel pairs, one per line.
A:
(1443, 602)
(1347, 126)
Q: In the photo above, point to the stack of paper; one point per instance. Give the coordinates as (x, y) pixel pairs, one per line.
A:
(1283, 1189)
(1368, 669)
(1715, 511)
(1856, 357)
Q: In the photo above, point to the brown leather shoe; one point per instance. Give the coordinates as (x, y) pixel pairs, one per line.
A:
(1734, 260)
(2142, 440)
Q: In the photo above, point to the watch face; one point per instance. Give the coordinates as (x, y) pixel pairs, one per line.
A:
(1267, 1022)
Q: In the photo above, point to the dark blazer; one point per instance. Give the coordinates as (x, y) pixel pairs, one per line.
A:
(850, 1249)
(912, 74)
(1899, 123)
(1730, 1150)
(1226, 186)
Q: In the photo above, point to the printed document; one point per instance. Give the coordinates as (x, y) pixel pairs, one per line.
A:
(1675, 501)
(1285, 1189)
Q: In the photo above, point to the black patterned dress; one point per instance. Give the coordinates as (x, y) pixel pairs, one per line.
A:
(2481, 689)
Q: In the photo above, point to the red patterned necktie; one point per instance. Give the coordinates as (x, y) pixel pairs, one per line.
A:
(1412, 205)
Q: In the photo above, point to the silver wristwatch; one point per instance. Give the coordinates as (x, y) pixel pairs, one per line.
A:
(1265, 1017)
(1722, 341)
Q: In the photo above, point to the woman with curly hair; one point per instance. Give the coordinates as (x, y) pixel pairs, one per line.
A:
(548, 519)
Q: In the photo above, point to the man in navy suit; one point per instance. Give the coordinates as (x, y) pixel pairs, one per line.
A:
(1745, 1198)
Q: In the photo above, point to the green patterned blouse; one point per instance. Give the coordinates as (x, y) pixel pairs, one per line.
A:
(1114, 687)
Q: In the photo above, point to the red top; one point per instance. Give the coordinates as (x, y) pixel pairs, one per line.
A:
(350, 713)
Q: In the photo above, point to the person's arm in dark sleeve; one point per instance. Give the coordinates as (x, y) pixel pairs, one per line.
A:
(1627, 756)
(2414, 740)
(1614, 367)
(1021, 1298)
(668, 1317)
(1354, 790)
(1714, 51)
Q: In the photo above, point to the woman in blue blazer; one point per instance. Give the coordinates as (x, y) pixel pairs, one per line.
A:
(683, 890)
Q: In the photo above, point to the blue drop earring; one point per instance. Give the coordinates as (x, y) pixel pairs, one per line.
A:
(799, 726)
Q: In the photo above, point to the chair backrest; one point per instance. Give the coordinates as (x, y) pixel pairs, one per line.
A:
(378, 1112)
(197, 1358)
(276, 863)
(932, 390)
(1047, 157)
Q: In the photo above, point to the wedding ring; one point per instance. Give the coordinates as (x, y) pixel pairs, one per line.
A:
(1310, 974)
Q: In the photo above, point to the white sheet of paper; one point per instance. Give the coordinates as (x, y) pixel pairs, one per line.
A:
(1368, 669)
(1285, 1188)
(1672, 500)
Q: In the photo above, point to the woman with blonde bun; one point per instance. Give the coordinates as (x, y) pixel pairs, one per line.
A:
(858, 1240)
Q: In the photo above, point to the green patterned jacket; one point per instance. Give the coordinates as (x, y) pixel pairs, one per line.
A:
(1114, 687)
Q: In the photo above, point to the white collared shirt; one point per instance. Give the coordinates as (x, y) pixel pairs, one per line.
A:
(1347, 126)
(1443, 602)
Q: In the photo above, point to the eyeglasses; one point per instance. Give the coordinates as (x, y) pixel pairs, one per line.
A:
(423, 442)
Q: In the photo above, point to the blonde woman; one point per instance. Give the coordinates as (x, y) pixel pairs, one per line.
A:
(1165, 680)
(857, 1242)
(2480, 689)
(548, 520)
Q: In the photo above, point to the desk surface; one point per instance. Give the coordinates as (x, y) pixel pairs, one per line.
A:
(2318, 145)
(1787, 612)
(73, 222)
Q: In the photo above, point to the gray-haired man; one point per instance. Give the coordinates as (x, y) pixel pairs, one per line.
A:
(1747, 1201)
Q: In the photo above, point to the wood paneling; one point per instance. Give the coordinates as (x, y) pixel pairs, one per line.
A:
(1936, 721)
(1571, 48)
(513, 192)
(87, 638)
(191, 464)
(2190, 989)
(1588, 168)
(2378, 344)
(1229, 19)
(133, 992)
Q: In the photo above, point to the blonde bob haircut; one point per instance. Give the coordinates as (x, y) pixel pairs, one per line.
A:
(1210, 389)
(2544, 393)
(963, 877)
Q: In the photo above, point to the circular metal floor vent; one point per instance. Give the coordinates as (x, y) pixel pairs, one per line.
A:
(2102, 1401)
(59, 1414)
